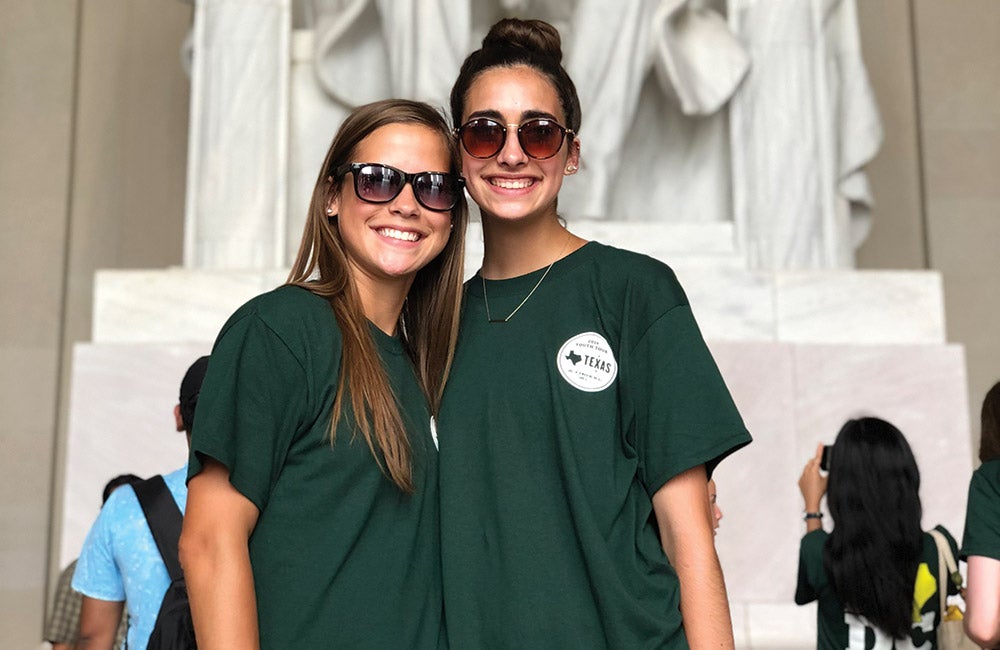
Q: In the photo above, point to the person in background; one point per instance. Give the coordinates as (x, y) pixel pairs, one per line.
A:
(120, 565)
(63, 623)
(584, 413)
(875, 573)
(981, 540)
(313, 512)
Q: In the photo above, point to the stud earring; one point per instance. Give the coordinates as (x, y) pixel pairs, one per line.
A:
(570, 169)
(329, 212)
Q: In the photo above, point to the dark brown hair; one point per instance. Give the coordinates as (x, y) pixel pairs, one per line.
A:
(428, 322)
(511, 42)
(989, 440)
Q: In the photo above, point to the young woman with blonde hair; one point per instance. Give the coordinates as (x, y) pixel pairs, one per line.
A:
(312, 515)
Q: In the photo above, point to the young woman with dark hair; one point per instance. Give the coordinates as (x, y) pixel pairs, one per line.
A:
(875, 574)
(981, 541)
(312, 514)
(584, 414)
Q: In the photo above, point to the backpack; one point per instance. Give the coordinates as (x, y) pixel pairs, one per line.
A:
(173, 629)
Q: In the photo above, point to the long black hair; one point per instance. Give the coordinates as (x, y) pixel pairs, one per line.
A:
(874, 550)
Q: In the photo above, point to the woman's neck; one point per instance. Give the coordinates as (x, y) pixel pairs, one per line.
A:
(515, 248)
(382, 301)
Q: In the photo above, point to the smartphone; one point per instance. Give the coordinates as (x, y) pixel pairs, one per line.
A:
(824, 460)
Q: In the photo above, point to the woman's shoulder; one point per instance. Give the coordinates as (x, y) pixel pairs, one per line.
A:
(627, 261)
(930, 542)
(988, 473)
(286, 302)
(289, 311)
(637, 272)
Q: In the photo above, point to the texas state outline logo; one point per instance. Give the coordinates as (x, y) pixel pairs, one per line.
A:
(587, 362)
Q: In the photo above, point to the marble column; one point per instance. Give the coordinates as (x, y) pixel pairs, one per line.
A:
(235, 211)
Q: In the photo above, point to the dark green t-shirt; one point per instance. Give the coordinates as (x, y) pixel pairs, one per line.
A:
(557, 428)
(341, 558)
(837, 630)
(982, 515)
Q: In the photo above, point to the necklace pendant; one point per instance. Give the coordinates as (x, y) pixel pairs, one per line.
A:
(486, 300)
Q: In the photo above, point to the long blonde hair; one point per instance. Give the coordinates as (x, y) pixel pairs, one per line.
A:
(428, 322)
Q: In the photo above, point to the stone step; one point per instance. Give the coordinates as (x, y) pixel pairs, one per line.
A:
(822, 306)
(873, 307)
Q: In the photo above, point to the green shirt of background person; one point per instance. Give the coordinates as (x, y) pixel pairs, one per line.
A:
(981, 541)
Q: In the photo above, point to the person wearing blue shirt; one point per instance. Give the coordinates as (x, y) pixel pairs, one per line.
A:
(120, 563)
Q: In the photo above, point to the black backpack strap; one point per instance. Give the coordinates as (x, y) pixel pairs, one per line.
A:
(164, 519)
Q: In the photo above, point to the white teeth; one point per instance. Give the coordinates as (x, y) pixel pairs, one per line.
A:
(398, 234)
(509, 184)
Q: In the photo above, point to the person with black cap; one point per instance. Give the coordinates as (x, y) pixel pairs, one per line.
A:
(120, 563)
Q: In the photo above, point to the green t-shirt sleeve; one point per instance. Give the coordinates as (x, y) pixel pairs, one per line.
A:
(250, 406)
(811, 573)
(982, 515)
(684, 413)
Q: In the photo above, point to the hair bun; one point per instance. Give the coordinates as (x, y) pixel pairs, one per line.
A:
(535, 35)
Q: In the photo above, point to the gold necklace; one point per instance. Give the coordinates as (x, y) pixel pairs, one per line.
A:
(489, 319)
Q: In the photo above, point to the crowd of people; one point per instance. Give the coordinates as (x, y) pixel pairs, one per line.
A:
(382, 457)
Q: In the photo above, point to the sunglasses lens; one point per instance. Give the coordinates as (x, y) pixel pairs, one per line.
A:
(541, 138)
(436, 191)
(377, 183)
(483, 138)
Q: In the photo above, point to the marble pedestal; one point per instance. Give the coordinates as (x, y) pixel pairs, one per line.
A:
(801, 352)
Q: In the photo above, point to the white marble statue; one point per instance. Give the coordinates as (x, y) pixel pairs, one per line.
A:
(238, 145)
(804, 124)
(688, 116)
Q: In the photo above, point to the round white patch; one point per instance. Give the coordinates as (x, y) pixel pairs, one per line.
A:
(587, 362)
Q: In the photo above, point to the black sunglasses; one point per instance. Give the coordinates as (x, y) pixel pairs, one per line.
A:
(539, 137)
(378, 183)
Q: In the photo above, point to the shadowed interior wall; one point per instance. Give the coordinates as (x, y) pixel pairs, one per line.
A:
(37, 54)
(93, 135)
(958, 77)
(935, 68)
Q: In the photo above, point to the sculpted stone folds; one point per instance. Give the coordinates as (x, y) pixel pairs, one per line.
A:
(759, 113)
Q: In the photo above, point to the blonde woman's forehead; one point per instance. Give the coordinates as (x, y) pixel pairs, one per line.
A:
(409, 147)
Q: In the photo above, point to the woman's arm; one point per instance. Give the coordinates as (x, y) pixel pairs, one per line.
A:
(685, 521)
(812, 484)
(982, 601)
(218, 521)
